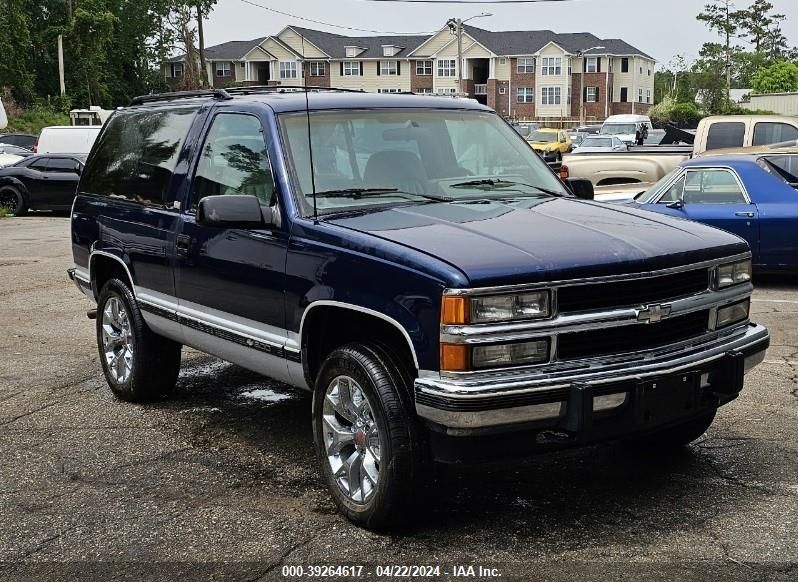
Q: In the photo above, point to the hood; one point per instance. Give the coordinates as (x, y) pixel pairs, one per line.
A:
(545, 238)
(542, 145)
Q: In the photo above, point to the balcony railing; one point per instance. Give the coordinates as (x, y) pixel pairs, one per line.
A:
(480, 88)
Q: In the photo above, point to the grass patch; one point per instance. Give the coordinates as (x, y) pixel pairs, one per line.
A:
(34, 119)
(4, 212)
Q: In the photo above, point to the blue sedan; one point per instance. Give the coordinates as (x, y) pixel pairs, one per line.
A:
(751, 195)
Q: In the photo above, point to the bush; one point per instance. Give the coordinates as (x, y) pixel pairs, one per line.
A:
(681, 114)
(41, 114)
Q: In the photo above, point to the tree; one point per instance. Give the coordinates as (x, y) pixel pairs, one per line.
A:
(780, 77)
(15, 58)
(720, 16)
(757, 21)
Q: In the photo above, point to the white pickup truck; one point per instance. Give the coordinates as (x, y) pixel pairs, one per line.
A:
(647, 164)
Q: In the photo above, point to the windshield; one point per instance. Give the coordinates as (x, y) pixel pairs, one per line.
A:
(597, 142)
(784, 167)
(365, 158)
(645, 195)
(542, 136)
(618, 129)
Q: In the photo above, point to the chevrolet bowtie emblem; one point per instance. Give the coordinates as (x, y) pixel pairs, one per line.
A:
(653, 313)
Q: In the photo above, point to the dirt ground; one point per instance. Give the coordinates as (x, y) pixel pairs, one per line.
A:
(220, 481)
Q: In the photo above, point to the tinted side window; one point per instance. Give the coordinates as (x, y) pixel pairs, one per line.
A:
(62, 165)
(234, 160)
(726, 135)
(137, 154)
(39, 164)
(770, 133)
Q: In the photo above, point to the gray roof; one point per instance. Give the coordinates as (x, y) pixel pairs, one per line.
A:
(518, 42)
(335, 44)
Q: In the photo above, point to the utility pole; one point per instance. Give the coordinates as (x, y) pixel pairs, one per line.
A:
(456, 27)
(201, 33)
(61, 64)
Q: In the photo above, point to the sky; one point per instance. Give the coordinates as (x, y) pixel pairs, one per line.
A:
(661, 28)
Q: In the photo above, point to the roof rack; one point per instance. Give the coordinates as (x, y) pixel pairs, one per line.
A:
(252, 89)
(220, 94)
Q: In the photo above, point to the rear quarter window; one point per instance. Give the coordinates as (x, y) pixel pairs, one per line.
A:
(767, 133)
(137, 153)
(726, 134)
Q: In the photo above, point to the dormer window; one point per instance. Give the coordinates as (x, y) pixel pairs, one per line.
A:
(353, 51)
(389, 50)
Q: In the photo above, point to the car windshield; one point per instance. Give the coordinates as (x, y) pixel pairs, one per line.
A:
(618, 129)
(645, 195)
(597, 142)
(784, 167)
(365, 158)
(542, 136)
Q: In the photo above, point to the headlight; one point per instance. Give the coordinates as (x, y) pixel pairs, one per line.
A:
(733, 274)
(459, 309)
(533, 305)
(515, 354)
(733, 313)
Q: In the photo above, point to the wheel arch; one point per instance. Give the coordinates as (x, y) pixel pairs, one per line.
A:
(361, 321)
(104, 266)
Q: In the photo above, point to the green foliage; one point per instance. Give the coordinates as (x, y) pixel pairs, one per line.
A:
(15, 61)
(34, 118)
(780, 77)
(681, 114)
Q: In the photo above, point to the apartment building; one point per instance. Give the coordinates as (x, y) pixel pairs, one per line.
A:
(521, 74)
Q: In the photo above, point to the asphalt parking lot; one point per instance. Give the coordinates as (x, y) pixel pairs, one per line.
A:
(220, 481)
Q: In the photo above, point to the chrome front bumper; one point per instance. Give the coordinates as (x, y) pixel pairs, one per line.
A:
(468, 401)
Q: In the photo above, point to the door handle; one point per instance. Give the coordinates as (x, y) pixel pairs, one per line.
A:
(745, 214)
(183, 243)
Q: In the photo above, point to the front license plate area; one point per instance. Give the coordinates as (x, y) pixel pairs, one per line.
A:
(668, 398)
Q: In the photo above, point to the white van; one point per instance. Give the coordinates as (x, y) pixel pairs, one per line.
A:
(626, 126)
(67, 139)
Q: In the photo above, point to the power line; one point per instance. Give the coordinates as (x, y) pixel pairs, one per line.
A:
(465, 2)
(261, 6)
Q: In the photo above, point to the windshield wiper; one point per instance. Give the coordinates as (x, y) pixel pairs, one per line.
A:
(499, 183)
(358, 193)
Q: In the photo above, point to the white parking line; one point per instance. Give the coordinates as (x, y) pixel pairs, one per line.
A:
(781, 362)
(774, 300)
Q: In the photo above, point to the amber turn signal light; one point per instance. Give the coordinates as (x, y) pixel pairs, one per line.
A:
(565, 173)
(454, 358)
(454, 310)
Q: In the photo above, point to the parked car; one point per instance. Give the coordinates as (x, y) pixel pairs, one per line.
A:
(67, 139)
(550, 141)
(751, 195)
(23, 140)
(524, 129)
(629, 128)
(650, 163)
(596, 144)
(8, 159)
(577, 137)
(589, 129)
(427, 277)
(40, 182)
(15, 150)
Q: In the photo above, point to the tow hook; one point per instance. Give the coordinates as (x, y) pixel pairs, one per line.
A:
(91, 314)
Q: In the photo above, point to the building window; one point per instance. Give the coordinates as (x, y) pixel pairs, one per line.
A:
(223, 70)
(609, 64)
(351, 51)
(640, 95)
(625, 65)
(525, 95)
(648, 95)
(502, 61)
(389, 50)
(447, 67)
(525, 65)
(591, 65)
(176, 70)
(318, 68)
(389, 90)
(350, 69)
(649, 71)
(591, 94)
(390, 68)
(288, 70)
(502, 90)
(552, 66)
(569, 95)
(423, 67)
(550, 96)
(570, 67)
(624, 94)
(641, 70)
(451, 91)
(423, 91)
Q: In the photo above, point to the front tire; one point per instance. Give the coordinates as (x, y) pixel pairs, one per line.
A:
(369, 444)
(139, 365)
(13, 201)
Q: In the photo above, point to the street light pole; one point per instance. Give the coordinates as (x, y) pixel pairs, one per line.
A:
(456, 27)
(580, 55)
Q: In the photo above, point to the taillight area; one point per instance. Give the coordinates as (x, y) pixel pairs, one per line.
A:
(565, 173)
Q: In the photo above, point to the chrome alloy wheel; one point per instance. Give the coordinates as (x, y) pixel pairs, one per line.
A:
(351, 439)
(117, 340)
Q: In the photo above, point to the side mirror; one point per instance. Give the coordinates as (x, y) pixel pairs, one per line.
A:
(234, 211)
(581, 187)
(676, 204)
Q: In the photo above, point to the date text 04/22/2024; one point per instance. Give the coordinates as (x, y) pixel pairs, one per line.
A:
(389, 571)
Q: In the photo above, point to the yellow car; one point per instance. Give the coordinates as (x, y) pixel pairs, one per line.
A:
(550, 143)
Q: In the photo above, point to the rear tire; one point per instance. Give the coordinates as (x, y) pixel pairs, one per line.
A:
(682, 434)
(13, 201)
(371, 448)
(139, 365)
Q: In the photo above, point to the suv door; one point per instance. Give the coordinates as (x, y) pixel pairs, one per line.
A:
(230, 282)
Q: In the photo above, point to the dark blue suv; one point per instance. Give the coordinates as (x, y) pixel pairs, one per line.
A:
(411, 261)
